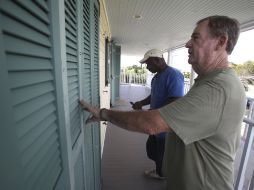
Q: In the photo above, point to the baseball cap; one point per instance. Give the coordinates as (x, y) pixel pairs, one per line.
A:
(152, 53)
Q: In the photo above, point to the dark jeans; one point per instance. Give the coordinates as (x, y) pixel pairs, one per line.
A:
(155, 151)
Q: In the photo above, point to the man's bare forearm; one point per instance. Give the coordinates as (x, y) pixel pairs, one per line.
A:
(149, 122)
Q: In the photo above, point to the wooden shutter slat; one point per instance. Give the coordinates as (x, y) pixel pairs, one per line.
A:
(24, 16)
(28, 123)
(41, 143)
(21, 46)
(20, 79)
(36, 132)
(42, 4)
(28, 63)
(32, 106)
(21, 95)
(18, 29)
(35, 10)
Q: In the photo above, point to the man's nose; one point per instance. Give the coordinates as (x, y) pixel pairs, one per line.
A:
(188, 44)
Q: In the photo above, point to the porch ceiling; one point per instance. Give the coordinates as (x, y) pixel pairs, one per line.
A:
(167, 23)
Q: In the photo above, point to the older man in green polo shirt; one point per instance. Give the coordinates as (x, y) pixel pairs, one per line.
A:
(203, 126)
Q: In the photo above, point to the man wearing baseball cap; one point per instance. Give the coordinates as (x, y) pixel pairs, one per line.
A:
(166, 86)
(152, 53)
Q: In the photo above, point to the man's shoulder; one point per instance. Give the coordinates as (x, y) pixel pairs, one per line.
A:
(226, 80)
(173, 71)
(227, 77)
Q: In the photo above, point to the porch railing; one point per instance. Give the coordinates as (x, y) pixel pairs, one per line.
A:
(133, 78)
(144, 79)
(245, 175)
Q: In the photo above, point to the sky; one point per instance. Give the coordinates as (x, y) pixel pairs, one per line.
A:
(243, 51)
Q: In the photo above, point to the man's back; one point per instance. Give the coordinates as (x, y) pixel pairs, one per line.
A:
(165, 85)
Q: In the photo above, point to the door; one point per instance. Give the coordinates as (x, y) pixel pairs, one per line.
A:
(90, 92)
(115, 73)
(49, 60)
(82, 58)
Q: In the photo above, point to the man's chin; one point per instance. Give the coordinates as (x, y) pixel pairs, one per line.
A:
(191, 61)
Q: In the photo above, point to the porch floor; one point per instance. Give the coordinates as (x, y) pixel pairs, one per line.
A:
(124, 157)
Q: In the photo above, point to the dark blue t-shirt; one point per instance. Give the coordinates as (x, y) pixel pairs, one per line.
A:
(169, 83)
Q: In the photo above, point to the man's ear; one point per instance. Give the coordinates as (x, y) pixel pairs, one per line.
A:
(222, 42)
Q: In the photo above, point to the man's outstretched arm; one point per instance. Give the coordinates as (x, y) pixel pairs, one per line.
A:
(149, 122)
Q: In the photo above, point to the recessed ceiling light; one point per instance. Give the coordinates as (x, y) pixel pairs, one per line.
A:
(138, 17)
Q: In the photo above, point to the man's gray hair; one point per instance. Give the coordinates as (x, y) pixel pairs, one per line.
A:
(221, 25)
